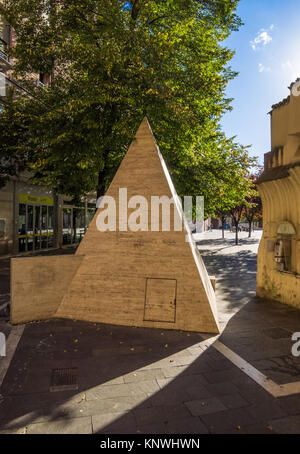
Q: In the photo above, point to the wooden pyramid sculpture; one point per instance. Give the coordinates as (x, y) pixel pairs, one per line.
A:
(145, 278)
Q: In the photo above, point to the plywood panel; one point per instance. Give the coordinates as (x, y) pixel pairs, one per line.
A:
(38, 285)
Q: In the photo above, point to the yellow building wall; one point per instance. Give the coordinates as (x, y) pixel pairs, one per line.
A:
(281, 202)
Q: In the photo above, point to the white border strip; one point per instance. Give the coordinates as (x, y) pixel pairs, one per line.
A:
(269, 385)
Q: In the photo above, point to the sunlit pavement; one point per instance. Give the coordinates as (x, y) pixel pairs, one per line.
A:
(134, 380)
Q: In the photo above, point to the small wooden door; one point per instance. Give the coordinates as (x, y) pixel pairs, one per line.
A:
(160, 300)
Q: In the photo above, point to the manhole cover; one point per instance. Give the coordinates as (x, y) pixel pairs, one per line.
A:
(64, 379)
(277, 333)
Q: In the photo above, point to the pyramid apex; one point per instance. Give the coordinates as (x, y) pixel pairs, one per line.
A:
(144, 129)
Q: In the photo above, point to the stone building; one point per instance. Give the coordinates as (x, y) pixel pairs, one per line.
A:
(278, 275)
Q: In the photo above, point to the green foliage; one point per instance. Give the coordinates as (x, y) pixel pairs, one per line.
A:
(14, 140)
(112, 62)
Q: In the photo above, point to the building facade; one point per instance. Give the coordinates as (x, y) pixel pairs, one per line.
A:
(34, 218)
(278, 275)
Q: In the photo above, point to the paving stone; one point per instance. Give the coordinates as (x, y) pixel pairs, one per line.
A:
(277, 333)
(205, 406)
(289, 425)
(147, 416)
(190, 425)
(224, 375)
(260, 429)
(229, 421)
(167, 396)
(173, 371)
(143, 375)
(125, 389)
(198, 392)
(114, 423)
(233, 401)
(62, 426)
(114, 405)
(219, 364)
(182, 382)
(154, 428)
(264, 411)
(106, 392)
(255, 394)
(185, 360)
(221, 389)
(290, 404)
(175, 412)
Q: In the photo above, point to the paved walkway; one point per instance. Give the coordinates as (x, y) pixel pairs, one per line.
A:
(134, 380)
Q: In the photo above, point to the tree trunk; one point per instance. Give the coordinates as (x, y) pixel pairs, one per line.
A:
(250, 228)
(101, 185)
(101, 182)
(236, 223)
(223, 230)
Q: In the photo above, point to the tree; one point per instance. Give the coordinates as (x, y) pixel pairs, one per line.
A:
(112, 62)
(14, 141)
(253, 207)
(244, 193)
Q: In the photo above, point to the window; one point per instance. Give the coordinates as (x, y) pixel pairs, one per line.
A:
(36, 229)
(2, 228)
(283, 254)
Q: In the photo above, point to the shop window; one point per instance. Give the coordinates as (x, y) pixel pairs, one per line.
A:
(90, 215)
(22, 219)
(44, 231)
(50, 226)
(29, 220)
(67, 226)
(78, 224)
(35, 230)
(22, 244)
(2, 228)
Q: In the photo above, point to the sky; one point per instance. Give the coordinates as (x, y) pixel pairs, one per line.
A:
(267, 58)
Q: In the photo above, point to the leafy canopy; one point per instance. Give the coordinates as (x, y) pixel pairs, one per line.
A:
(112, 62)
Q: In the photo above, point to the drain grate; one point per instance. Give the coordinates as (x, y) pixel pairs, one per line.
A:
(64, 379)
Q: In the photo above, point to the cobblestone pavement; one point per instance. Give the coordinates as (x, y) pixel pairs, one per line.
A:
(134, 380)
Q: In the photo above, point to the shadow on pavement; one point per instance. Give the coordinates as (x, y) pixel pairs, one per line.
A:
(135, 380)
